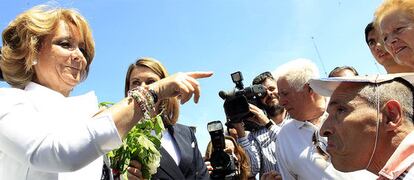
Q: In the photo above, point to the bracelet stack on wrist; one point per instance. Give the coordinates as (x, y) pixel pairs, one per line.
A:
(145, 100)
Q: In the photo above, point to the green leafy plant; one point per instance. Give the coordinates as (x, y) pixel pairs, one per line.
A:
(142, 143)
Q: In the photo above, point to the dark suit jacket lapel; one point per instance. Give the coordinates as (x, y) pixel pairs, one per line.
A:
(184, 141)
(168, 165)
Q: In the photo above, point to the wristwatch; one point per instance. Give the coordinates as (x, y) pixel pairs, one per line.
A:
(269, 124)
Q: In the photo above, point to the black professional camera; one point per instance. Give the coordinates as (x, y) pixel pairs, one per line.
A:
(236, 104)
(223, 164)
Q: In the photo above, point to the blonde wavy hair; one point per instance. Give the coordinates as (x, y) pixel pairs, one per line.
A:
(387, 6)
(170, 106)
(22, 39)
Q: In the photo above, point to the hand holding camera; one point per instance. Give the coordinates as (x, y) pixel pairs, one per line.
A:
(239, 128)
(223, 164)
(236, 103)
(258, 115)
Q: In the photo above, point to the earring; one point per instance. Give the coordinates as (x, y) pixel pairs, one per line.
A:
(34, 62)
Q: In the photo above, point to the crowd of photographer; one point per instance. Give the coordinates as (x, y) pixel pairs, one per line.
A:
(346, 126)
(278, 127)
(248, 108)
(277, 121)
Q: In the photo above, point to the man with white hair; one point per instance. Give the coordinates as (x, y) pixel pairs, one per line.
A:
(300, 150)
(368, 119)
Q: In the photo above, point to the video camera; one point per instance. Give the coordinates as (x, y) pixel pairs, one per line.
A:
(236, 103)
(223, 164)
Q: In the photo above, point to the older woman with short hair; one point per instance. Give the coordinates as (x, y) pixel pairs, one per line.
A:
(44, 133)
(395, 20)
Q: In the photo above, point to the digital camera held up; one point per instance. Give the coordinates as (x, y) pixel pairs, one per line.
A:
(223, 164)
(236, 103)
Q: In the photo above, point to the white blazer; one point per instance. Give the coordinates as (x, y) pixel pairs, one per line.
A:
(44, 134)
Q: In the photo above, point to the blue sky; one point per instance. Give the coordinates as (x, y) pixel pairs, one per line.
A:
(223, 36)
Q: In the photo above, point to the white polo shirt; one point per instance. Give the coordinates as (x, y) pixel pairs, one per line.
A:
(298, 157)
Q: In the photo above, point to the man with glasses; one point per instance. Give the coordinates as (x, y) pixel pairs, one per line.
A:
(368, 118)
(260, 144)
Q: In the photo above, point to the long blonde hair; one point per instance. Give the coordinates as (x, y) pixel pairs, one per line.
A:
(23, 38)
(170, 106)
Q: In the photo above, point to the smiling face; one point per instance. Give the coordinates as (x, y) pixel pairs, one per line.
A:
(350, 128)
(61, 62)
(397, 32)
(377, 49)
(271, 98)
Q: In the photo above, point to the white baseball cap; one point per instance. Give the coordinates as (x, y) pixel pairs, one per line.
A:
(326, 86)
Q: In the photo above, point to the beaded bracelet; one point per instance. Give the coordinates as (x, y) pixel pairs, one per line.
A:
(154, 95)
(149, 98)
(138, 97)
(144, 99)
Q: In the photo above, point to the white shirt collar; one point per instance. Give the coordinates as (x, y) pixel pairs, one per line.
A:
(301, 124)
(43, 91)
(171, 146)
(86, 103)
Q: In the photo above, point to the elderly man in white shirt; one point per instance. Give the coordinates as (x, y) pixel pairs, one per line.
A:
(300, 151)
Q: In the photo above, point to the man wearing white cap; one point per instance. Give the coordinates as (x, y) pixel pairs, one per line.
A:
(300, 150)
(368, 118)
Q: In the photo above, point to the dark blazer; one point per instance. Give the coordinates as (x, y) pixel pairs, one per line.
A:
(191, 164)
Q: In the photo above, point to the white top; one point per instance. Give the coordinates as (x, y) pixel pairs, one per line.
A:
(298, 158)
(169, 144)
(407, 175)
(43, 133)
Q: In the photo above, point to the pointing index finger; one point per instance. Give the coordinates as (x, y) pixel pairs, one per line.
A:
(200, 74)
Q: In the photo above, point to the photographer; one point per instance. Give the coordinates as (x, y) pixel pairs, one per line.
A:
(260, 144)
(239, 155)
